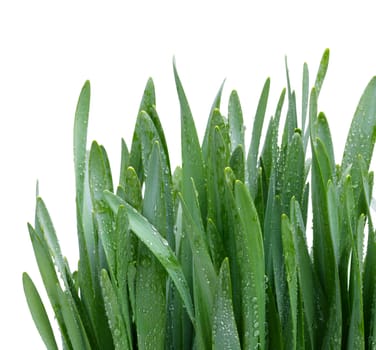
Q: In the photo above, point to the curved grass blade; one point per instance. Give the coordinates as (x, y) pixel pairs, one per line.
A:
(323, 67)
(192, 160)
(38, 313)
(225, 335)
(362, 134)
(49, 277)
(148, 234)
(47, 231)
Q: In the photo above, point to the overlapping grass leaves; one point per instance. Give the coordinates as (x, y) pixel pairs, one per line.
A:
(215, 255)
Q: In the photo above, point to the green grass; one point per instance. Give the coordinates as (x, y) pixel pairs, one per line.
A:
(214, 255)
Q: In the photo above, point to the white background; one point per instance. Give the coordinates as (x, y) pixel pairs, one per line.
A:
(48, 49)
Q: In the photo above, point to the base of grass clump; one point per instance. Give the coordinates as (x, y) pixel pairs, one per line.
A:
(215, 255)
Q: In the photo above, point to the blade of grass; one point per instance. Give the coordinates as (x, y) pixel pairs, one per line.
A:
(321, 73)
(225, 334)
(355, 338)
(79, 141)
(114, 314)
(253, 299)
(38, 313)
(255, 140)
(204, 276)
(289, 255)
(235, 121)
(192, 161)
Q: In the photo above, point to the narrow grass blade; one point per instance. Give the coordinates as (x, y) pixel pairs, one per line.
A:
(38, 313)
(214, 110)
(305, 92)
(321, 73)
(293, 174)
(204, 276)
(123, 255)
(114, 314)
(193, 165)
(355, 338)
(218, 159)
(369, 290)
(306, 278)
(225, 335)
(49, 277)
(72, 321)
(148, 234)
(235, 121)
(124, 163)
(269, 151)
(99, 180)
(255, 140)
(47, 231)
(289, 254)
(79, 141)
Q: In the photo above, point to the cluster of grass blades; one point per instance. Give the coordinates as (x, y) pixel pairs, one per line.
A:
(215, 254)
